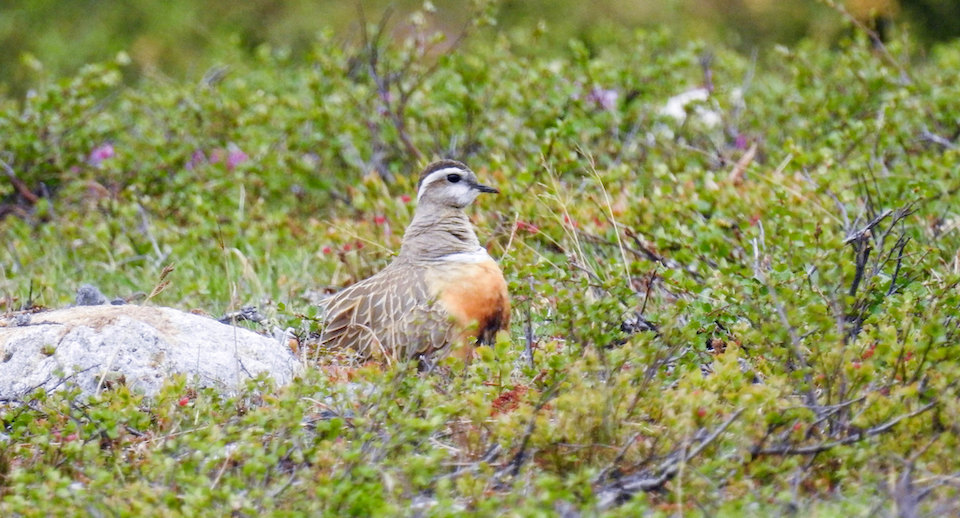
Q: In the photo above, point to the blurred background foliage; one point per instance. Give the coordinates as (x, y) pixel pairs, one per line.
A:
(185, 37)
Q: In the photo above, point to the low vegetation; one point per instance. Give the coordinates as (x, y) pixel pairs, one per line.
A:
(735, 278)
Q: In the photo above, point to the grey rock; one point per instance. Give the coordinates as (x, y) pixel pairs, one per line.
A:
(94, 347)
(246, 313)
(21, 319)
(89, 295)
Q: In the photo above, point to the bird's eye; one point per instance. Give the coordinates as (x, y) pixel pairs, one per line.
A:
(453, 178)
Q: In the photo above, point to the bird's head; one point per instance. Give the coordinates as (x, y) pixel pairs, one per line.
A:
(449, 183)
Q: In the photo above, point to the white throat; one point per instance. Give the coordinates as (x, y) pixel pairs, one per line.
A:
(477, 255)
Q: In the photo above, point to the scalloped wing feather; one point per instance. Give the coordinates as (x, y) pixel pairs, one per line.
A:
(389, 315)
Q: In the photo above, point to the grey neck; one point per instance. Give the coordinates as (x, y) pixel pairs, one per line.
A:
(438, 230)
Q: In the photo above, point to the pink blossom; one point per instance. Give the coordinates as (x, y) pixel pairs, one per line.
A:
(101, 153)
(605, 98)
(198, 157)
(741, 142)
(235, 156)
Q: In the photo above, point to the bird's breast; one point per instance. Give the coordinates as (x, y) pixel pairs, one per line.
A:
(474, 294)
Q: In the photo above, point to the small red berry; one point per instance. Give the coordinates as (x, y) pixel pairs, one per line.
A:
(347, 247)
(380, 220)
(327, 250)
(184, 401)
(405, 198)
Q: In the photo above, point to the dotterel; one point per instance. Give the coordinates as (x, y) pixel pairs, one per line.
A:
(442, 289)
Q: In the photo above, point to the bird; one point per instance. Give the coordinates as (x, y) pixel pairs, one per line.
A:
(442, 291)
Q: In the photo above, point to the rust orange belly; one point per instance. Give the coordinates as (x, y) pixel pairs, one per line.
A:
(475, 295)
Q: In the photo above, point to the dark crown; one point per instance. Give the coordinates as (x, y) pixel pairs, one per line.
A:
(438, 165)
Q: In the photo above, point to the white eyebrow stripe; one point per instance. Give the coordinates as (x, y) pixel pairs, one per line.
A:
(437, 175)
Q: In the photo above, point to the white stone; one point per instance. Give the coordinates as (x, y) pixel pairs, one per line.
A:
(676, 106)
(95, 345)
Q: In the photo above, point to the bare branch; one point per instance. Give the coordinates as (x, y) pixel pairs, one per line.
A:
(621, 489)
(18, 184)
(896, 271)
(528, 329)
(790, 449)
(512, 468)
(927, 136)
(862, 233)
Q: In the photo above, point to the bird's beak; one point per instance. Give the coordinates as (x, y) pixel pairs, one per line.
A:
(484, 188)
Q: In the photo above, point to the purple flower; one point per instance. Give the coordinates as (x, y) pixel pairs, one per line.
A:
(605, 98)
(741, 142)
(235, 156)
(101, 153)
(198, 157)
